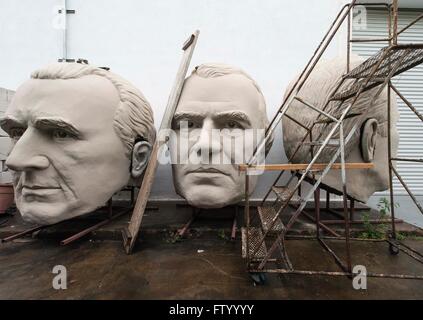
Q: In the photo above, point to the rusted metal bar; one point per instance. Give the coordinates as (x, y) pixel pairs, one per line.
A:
(408, 103)
(21, 234)
(337, 273)
(327, 115)
(296, 121)
(409, 248)
(410, 24)
(345, 200)
(407, 251)
(407, 46)
(373, 221)
(181, 232)
(321, 224)
(395, 24)
(408, 190)
(327, 200)
(247, 217)
(234, 225)
(306, 237)
(317, 210)
(371, 40)
(391, 185)
(333, 254)
(93, 228)
(409, 159)
(352, 210)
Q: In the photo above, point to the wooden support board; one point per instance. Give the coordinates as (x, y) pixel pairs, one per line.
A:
(131, 232)
(303, 166)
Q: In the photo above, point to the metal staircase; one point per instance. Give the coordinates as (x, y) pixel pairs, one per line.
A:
(265, 232)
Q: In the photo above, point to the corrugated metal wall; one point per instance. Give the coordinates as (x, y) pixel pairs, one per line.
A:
(410, 84)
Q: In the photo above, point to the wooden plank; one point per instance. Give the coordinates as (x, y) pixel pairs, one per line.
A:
(130, 233)
(303, 166)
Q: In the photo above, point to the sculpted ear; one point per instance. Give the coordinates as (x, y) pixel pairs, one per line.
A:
(368, 139)
(140, 156)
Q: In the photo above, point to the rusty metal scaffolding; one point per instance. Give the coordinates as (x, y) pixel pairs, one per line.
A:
(265, 233)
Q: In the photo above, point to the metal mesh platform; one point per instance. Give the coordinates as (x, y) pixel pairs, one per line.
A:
(267, 214)
(395, 60)
(254, 237)
(283, 194)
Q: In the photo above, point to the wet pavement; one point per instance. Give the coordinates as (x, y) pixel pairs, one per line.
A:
(202, 267)
(205, 265)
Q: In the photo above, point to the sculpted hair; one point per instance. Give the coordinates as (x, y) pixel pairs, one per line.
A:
(214, 70)
(316, 90)
(133, 117)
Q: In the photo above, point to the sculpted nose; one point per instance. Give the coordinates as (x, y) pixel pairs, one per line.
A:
(24, 157)
(26, 163)
(208, 142)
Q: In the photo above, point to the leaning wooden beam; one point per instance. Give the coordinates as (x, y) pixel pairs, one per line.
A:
(303, 166)
(131, 232)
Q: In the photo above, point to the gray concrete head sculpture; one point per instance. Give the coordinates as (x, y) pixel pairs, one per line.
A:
(369, 142)
(79, 134)
(218, 103)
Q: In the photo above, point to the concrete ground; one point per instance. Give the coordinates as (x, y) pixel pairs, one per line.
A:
(206, 265)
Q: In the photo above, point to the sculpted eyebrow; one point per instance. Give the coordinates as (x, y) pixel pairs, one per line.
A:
(187, 115)
(9, 122)
(56, 123)
(233, 115)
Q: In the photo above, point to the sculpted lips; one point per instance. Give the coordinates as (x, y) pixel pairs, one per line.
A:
(28, 190)
(207, 170)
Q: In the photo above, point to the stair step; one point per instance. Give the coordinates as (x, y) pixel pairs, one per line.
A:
(283, 192)
(267, 214)
(255, 235)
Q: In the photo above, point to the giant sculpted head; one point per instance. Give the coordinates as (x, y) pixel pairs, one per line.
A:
(79, 134)
(222, 110)
(369, 142)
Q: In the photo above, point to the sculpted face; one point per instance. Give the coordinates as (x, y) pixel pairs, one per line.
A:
(369, 144)
(66, 157)
(215, 110)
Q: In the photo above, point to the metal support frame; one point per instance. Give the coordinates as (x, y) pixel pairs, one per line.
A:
(377, 73)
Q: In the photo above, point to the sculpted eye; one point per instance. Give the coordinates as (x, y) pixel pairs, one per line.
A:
(233, 125)
(16, 133)
(61, 134)
(185, 124)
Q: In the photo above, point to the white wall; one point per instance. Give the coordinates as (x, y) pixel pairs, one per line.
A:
(141, 40)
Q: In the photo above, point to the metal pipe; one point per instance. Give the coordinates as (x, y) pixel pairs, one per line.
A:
(404, 159)
(91, 229)
(234, 224)
(334, 273)
(321, 224)
(410, 24)
(395, 24)
(408, 103)
(317, 210)
(408, 190)
(390, 167)
(333, 254)
(21, 234)
(316, 109)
